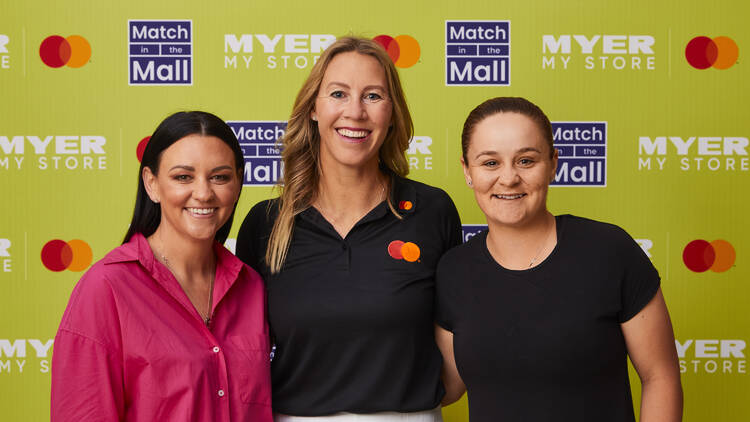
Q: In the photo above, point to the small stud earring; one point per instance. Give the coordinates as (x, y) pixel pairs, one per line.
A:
(469, 183)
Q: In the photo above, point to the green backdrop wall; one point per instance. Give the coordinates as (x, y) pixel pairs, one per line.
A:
(657, 92)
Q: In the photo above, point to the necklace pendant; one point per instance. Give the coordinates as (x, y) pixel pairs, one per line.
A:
(207, 320)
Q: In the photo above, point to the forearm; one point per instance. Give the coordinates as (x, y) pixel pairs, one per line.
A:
(661, 399)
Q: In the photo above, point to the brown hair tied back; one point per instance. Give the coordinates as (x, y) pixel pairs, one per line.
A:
(506, 105)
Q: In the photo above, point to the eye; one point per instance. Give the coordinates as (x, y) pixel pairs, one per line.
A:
(221, 178)
(525, 162)
(182, 177)
(372, 97)
(339, 95)
(490, 163)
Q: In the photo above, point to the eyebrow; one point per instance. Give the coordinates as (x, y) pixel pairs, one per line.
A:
(343, 85)
(520, 151)
(191, 168)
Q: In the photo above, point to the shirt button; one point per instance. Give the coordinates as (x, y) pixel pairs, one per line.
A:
(344, 246)
(221, 393)
(216, 349)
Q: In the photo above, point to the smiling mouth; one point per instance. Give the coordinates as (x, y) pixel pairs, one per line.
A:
(201, 211)
(356, 135)
(509, 196)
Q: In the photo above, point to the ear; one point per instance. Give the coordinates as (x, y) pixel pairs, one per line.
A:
(149, 182)
(467, 176)
(314, 116)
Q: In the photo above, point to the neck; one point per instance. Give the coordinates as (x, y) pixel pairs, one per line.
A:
(522, 247)
(185, 256)
(350, 188)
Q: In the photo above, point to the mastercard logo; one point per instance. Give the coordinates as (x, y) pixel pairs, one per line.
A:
(405, 205)
(141, 148)
(403, 50)
(407, 251)
(56, 51)
(59, 255)
(717, 256)
(719, 53)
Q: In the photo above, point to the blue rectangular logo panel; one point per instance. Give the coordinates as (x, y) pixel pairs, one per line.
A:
(258, 140)
(477, 53)
(582, 153)
(470, 230)
(160, 52)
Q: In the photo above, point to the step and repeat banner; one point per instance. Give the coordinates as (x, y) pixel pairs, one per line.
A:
(648, 102)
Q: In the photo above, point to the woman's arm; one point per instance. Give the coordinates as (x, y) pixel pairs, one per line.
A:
(454, 385)
(650, 342)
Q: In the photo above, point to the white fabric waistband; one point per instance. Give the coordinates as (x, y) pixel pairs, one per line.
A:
(434, 415)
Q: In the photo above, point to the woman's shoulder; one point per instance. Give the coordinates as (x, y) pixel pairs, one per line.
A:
(584, 228)
(425, 196)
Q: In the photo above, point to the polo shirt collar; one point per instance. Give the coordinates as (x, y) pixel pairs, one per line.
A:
(403, 197)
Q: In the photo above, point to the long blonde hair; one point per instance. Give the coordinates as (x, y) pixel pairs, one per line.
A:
(301, 144)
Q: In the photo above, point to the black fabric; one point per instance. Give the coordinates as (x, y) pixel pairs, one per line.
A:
(353, 326)
(545, 344)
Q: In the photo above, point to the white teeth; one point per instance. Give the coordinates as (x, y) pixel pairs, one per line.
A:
(509, 196)
(352, 133)
(202, 211)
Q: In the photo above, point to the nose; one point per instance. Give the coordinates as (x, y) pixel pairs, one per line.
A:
(202, 190)
(508, 175)
(355, 109)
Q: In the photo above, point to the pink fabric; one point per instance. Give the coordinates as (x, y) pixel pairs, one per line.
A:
(131, 346)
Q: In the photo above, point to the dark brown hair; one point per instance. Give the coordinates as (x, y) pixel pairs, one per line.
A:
(506, 105)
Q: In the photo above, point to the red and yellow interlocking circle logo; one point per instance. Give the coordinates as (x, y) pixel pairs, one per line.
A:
(403, 50)
(719, 53)
(717, 256)
(408, 251)
(56, 51)
(59, 255)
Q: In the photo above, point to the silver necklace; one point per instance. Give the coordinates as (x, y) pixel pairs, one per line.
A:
(541, 247)
(209, 311)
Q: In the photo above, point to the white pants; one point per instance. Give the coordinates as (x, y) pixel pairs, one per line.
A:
(433, 415)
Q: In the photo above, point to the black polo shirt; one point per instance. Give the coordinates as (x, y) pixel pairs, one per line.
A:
(352, 318)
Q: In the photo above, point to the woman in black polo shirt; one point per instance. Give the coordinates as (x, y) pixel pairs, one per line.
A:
(349, 250)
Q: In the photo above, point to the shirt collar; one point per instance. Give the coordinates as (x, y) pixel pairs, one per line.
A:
(403, 197)
(137, 249)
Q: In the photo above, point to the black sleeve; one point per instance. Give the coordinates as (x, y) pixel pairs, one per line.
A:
(640, 279)
(451, 223)
(252, 237)
(445, 297)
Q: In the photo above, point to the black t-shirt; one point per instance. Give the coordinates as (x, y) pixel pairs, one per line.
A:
(352, 318)
(545, 344)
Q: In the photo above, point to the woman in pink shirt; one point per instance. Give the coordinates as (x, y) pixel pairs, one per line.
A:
(170, 325)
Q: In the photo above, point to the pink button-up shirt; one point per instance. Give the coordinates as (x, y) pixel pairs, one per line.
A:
(132, 347)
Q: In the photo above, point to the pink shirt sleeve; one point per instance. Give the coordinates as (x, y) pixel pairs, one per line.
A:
(87, 375)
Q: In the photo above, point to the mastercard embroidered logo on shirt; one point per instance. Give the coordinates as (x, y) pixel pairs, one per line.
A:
(405, 205)
(59, 255)
(56, 51)
(408, 251)
(719, 53)
(717, 256)
(403, 50)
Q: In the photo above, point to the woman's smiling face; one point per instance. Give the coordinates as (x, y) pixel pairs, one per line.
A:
(353, 110)
(509, 166)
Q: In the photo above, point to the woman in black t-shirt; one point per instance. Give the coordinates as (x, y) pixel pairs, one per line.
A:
(542, 311)
(349, 250)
